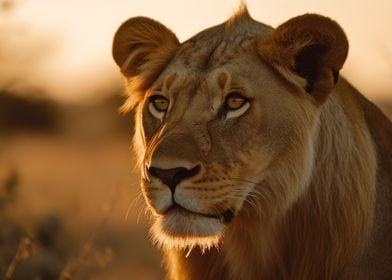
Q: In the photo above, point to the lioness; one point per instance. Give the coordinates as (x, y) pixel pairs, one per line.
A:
(257, 160)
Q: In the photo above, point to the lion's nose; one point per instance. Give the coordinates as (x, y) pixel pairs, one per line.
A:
(172, 177)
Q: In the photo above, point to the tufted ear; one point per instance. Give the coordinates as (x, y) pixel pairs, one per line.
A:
(142, 47)
(312, 46)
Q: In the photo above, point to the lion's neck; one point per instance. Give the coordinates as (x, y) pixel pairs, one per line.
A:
(321, 233)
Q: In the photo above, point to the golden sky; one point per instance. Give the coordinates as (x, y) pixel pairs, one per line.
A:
(63, 46)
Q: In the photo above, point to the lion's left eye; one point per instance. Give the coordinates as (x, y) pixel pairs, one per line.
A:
(236, 105)
(234, 101)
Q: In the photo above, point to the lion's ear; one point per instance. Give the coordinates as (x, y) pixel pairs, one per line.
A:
(142, 48)
(312, 46)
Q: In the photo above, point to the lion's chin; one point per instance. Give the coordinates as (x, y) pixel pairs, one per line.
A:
(181, 229)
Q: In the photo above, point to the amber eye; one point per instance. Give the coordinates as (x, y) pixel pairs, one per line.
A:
(160, 103)
(234, 101)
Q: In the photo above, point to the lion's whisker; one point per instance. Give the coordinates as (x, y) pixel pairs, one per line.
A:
(135, 201)
(142, 209)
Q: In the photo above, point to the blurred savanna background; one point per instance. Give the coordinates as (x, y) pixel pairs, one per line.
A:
(70, 205)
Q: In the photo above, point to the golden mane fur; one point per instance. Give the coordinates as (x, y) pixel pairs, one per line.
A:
(295, 185)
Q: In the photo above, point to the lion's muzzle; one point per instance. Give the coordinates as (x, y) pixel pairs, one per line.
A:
(173, 177)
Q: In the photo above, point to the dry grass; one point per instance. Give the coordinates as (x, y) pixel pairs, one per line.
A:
(24, 252)
(63, 219)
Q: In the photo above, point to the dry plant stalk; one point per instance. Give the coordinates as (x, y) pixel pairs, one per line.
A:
(74, 264)
(24, 251)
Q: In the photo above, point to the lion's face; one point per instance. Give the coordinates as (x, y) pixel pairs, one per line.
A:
(212, 138)
(219, 131)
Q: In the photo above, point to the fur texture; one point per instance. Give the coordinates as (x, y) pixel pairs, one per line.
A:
(293, 182)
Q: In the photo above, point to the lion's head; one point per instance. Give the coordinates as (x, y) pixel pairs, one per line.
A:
(225, 121)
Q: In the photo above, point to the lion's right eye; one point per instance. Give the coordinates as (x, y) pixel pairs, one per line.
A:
(158, 106)
(160, 103)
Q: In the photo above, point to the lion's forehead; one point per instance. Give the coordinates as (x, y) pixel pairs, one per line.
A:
(203, 56)
(217, 45)
(192, 83)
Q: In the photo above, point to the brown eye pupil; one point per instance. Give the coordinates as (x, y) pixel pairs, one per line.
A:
(160, 103)
(234, 101)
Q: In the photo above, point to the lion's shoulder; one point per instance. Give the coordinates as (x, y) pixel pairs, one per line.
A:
(380, 129)
(378, 124)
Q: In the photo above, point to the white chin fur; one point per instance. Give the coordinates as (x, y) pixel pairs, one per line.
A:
(182, 230)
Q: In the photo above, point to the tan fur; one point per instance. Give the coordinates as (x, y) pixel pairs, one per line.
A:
(304, 165)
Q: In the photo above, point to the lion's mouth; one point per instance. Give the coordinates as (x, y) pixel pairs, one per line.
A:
(226, 217)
